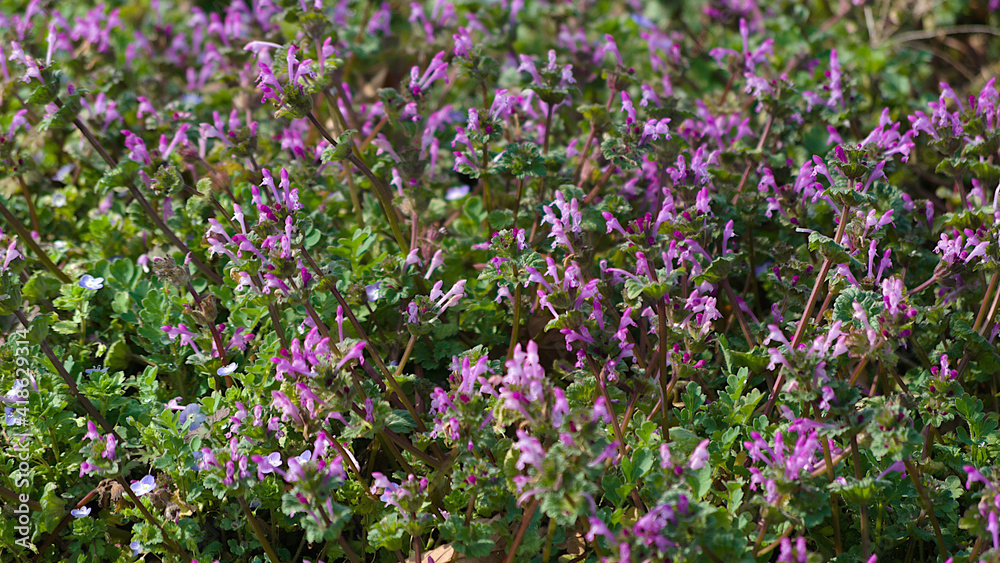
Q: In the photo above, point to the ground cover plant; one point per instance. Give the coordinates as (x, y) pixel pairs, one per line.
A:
(484, 281)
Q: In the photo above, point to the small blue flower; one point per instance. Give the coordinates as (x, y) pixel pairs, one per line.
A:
(193, 411)
(145, 485)
(136, 548)
(372, 291)
(456, 193)
(90, 282)
(226, 370)
(81, 512)
(198, 455)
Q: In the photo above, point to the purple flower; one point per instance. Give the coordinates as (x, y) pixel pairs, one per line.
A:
(186, 336)
(356, 353)
(137, 149)
(91, 432)
(796, 554)
(437, 69)
(391, 492)
(609, 45)
(288, 409)
(531, 451)
(192, 411)
(569, 221)
(109, 448)
(267, 464)
(699, 456)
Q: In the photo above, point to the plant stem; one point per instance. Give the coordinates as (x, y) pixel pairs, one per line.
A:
(760, 146)
(31, 204)
(272, 311)
(70, 382)
(519, 536)
(914, 476)
(661, 346)
(838, 545)
(813, 296)
(406, 355)
(487, 198)
(585, 153)
(517, 318)
(257, 530)
(980, 323)
(144, 203)
(320, 325)
(858, 474)
(517, 200)
(396, 388)
(381, 190)
(549, 535)
(776, 542)
(600, 184)
(744, 326)
(25, 236)
(930, 281)
(173, 545)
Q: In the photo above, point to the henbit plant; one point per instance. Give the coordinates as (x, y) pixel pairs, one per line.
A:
(712, 281)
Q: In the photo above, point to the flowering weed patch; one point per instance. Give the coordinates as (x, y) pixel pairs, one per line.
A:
(496, 280)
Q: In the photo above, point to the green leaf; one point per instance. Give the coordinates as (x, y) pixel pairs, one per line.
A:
(700, 481)
(521, 160)
(611, 483)
(123, 271)
(44, 94)
(342, 149)
(474, 540)
(642, 461)
(400, 421)
(685, 439)
(501, 218)
(121, 302)
(856, 491)
(717, 270)
(832, 251)
(53, 508)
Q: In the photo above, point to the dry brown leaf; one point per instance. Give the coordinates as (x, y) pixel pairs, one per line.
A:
(447, 554)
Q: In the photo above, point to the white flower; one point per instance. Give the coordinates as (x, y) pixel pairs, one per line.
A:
(145, 485)
(58, 200)
(90, 282)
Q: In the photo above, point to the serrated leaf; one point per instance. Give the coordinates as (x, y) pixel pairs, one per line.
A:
(521, 160)
(830, 250)
(717, 270)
